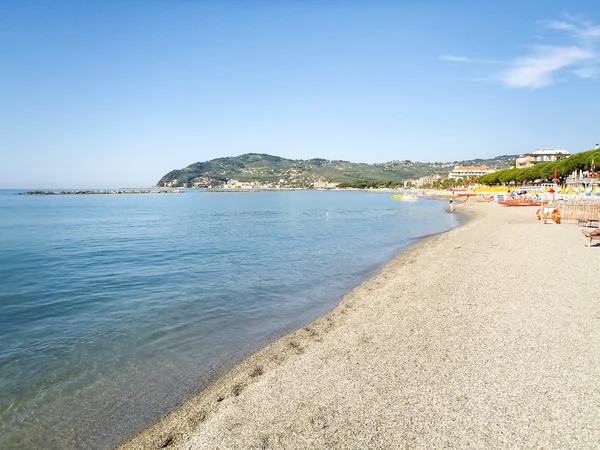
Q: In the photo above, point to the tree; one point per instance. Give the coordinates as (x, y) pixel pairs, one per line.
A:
(560, 156)
(544, 171)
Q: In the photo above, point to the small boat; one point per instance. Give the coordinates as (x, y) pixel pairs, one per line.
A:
(519, 203)
(405, 197)
(409, 198)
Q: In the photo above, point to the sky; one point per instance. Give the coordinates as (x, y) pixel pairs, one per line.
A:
(116, 93)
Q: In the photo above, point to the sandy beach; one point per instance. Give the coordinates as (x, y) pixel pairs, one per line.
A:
(487, 336)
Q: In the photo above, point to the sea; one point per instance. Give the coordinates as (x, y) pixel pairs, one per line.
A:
(114, 309)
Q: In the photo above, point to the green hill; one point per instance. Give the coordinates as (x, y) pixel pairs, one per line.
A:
(264, 168)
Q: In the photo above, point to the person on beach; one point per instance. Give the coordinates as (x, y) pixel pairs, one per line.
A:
(451, 202)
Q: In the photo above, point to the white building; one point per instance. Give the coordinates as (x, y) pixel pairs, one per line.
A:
(325, 184)
(469, 171)
(539, 156)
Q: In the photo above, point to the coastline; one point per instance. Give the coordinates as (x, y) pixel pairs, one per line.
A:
(452, 343)
(175, 427)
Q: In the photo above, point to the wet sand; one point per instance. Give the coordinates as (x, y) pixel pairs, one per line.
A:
(487, 336)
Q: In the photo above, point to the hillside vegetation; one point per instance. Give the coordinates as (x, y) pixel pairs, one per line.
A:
(302, 173)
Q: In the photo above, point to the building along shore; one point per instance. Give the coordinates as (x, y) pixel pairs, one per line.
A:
(487, 336)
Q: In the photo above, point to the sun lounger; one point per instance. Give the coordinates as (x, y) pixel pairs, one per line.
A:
(591, 234)
(589, 223)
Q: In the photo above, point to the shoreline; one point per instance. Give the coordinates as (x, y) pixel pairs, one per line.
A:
(451, 344)
(170, 430)
(103, 192)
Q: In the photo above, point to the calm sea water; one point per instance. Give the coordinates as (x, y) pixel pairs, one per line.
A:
(114, 309)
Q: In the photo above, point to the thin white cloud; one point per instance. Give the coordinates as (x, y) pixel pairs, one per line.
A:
(538, 69)
(455, 58)
(542, 65)
(588, 72)
(558, 25)
(580, 29)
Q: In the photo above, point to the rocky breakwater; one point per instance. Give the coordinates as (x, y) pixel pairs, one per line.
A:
(117, 191)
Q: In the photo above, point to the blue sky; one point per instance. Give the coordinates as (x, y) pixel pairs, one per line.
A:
(117, 93)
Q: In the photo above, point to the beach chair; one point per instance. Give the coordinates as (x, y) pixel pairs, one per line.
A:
(591, 234)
